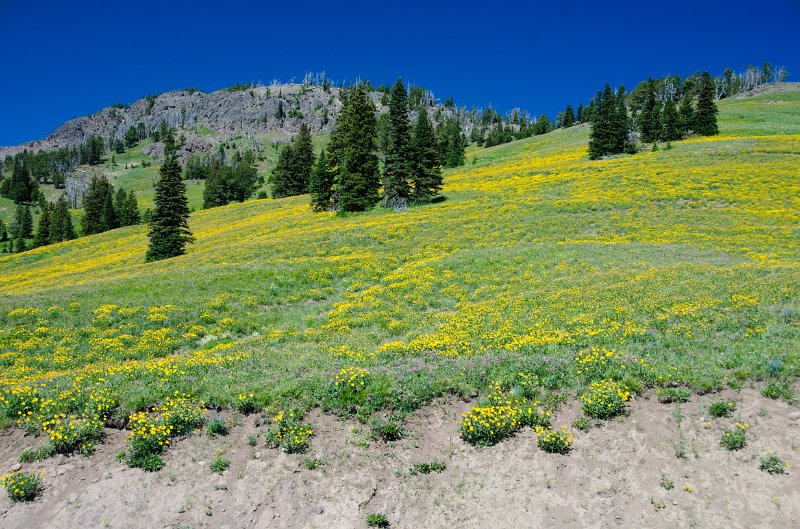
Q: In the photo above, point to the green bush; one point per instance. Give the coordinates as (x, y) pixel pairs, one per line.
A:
(377, 520)
(147, 461)
(605, 399)
(774, 464)
(22, 486)
(220, 465)
(43, 452)
(735, 439)
(721, 409)
(388, 430)
(427, 468)
(217, 426)
(554, 441)
(779, 390)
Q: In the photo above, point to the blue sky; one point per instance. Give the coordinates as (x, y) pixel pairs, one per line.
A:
(67, 59)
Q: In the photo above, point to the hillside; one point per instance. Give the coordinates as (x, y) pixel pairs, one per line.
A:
(684, 263)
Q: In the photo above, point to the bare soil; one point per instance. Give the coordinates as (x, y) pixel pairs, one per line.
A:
(611, 478)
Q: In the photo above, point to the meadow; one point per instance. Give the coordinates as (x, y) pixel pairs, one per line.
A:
(541, 274)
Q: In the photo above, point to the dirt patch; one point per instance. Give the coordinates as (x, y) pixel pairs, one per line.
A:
(611, 478)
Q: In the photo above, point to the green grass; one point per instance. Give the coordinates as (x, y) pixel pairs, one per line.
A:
(684, 260)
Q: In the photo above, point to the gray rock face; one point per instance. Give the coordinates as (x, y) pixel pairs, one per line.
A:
(197, 115)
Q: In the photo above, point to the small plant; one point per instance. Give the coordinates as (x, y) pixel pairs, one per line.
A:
(735, 439)
(779, 390)
(688, 488)
(670, 395)
(252, 439)
(289, 434)
(427, 468)
(388, 430)
(220, 465)
(582, 423)
(605, 399)
(377, 520)
(312, 463)
(247, 404)
(69, 434)
(43, 452)
(722, 409)
(657, 504)
(22, 486)
(666, 483)
(554, 441)
(147, 461)
(217, 426)
(774, 464)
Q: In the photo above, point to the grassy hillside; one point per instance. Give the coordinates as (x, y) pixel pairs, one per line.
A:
(685, 262)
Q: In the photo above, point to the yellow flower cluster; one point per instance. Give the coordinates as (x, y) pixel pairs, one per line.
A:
(288, 434)
(605, 399)
(554, 441)
(21, 485)
(352, 377)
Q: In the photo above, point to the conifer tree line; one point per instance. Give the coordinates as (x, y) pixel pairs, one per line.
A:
(225, 183)
(54, 225)
(106, 210)
(349, 176)
(651, 115)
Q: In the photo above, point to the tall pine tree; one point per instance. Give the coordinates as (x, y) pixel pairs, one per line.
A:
(686, 113)
(169, 225)
(670, 122)
(61, 227)
(569, 117)
(705, 118)
(292, 172)
(358, 176)
(426, 166)
(649, 122)
(42, 236)
(321, 186)
(397, 165)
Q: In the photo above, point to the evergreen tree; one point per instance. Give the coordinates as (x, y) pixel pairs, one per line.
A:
(451, 143)
(218, 181)
(601, 138)
(245, 174)
(96, 216)
(426, 173)
(358, 176)
(292, 173)
(20, 187)
(130, 215)
(649, 122)
(169, 226)
(705, 119)
(23, 223)
(321, 186)
(61, 228)
(569, 117)
(109, 219)
(670, 122)
(580, 116)
(21, 246)
(397, 165)
(3, 231)
(686, 113)
(42, 237)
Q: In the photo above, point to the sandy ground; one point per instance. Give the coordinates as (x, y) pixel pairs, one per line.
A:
(610, 479)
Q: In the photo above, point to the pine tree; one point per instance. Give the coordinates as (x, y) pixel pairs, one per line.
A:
(217, 185)
(451, 143)
(169, 226)
(601, 138)
(426, 173)
(3, 231)
(292, 172)
(649, 122)
(705, 118)
(245, 174)
(321, 186)
(686, 113)
(61, 228)
(42, 236)
(580, 116)
(96, 217)
(21, 187)
(397, 165)
(670, 122)
(130, 211)
(109, 218)
(358, 176)
(569, 117)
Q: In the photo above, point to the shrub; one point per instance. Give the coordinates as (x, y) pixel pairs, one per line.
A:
(427, 468)
(778, 390)
(721, 409)
(182, 414)
(217, 426)
(70, 433)
(252, 439)
(289, 434)
(220, 465)
(22, 486)
(377, 520)
(774, 464)
(670, 395)
(554, 441)
(247, 404)
(735, 439)
(347, 389)
(148, 462)
(605, 399)
(388, 430)
(488, 425)
(43, 452)
(582, 423)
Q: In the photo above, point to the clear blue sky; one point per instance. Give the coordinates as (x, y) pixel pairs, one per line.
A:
(67, 59)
